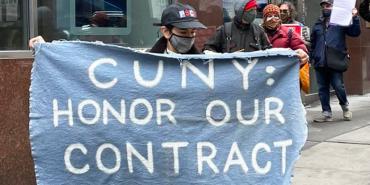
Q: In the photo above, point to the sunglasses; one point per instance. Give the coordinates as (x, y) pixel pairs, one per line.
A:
(284, 11)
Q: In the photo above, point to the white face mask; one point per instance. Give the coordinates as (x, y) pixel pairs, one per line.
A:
(272, 22)
(181, 44)
(269, 18)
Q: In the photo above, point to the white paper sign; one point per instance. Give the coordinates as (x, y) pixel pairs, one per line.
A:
(342, 12)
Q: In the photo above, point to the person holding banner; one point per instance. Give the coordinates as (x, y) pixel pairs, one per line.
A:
(178, 25)
(288, 13)
(242, 34)
(282, 37)
(329, 58)
(364, 10)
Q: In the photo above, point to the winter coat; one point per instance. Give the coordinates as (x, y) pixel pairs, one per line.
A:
(247, 38)
(283, 38)
(364, 10)
(161, 45)
(333, 36)
(235, 36)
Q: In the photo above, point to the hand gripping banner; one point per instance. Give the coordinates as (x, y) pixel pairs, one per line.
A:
(102, 114)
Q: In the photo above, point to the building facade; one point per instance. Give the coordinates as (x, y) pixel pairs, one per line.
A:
(125, 23)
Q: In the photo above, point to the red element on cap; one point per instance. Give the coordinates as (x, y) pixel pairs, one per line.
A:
(251, 4)
(187, 13)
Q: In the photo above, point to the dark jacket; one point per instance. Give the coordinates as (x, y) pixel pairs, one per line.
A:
(281, 39)
(364, 10)
(332, 36)
(235, 36)
(161, 45)
(246, 38)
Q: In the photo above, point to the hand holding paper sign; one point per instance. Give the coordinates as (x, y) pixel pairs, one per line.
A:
(354, 12)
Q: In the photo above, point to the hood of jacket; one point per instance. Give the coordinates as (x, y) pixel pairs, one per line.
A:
(239, 9)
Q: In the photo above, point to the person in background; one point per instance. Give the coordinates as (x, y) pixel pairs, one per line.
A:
(365, 10)
(178, 27)
(241, 34)
(282, 37)
(288, 14)
(326, 35)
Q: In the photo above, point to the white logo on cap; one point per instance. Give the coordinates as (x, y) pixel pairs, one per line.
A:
(182, 14)
(187, 13)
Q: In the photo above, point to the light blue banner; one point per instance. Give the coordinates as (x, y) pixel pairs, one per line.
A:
(102, 114)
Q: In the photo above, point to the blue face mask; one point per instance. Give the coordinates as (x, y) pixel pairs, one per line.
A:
(326, 13)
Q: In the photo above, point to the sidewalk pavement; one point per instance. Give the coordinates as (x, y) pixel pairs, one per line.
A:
(336, 153)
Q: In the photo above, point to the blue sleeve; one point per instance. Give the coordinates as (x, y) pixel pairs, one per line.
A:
(313, 41)
(354, 30)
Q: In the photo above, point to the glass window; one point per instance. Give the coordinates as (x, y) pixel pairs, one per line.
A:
(121, 22)
(99, 17)
(13, 24)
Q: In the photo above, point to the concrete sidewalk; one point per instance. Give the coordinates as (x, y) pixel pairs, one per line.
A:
(337, 153)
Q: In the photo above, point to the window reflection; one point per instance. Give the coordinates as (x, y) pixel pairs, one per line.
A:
(47, 25)
(121, 22)
(12, 25)
(99, 13)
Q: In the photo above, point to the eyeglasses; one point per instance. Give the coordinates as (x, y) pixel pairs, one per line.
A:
(284, 11)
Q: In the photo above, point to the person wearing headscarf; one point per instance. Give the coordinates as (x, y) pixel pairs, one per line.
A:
(280, 36)
(242, 34)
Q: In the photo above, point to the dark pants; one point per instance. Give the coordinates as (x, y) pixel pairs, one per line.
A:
(326, 77)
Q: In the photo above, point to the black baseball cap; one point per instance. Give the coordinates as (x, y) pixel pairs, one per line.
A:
(180, 16)
(326, 2)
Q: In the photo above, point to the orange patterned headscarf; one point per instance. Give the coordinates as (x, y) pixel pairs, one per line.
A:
(271, 9)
